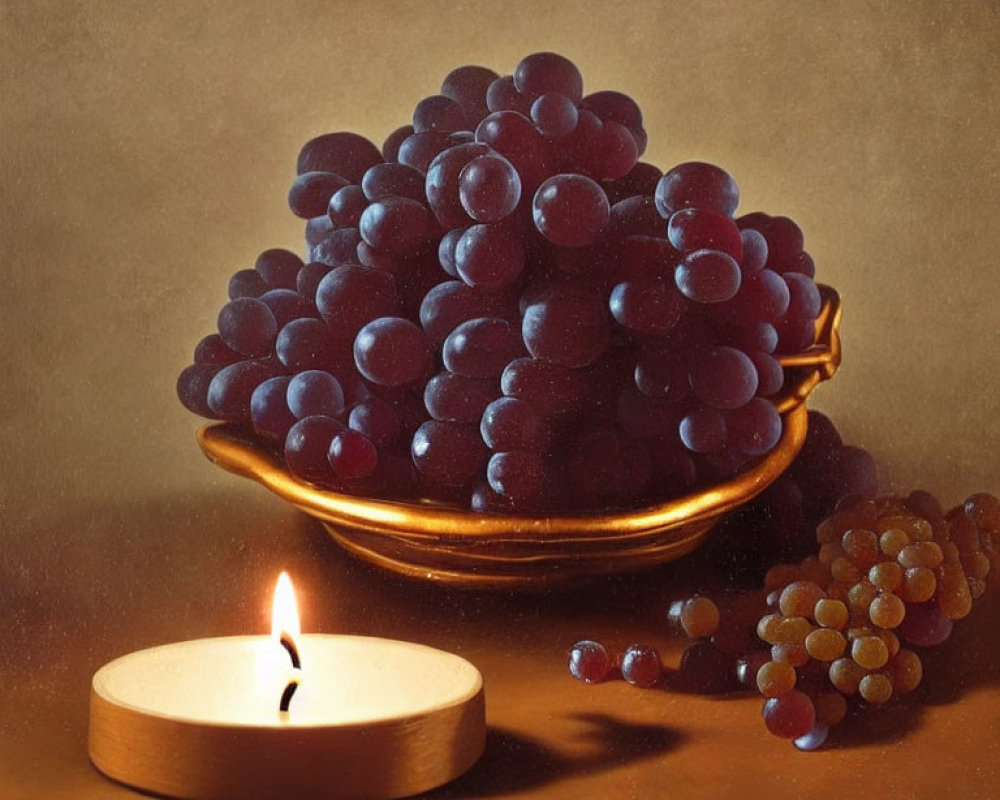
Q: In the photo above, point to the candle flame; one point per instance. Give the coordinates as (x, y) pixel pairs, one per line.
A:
(284, 611)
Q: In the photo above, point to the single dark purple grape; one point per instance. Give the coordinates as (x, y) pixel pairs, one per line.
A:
(705, 669)
(309, 277)
(570, 210)
(392, 351)
(392, 179)
(450, 303)
(339, 248)
(618, 154)
(307, 446)
(636, 216)
(455, 398)
(723, 377)
(795, 335)
(790, 716)
(448, 453)
(446, 251)
(804, 300)
(520, 475)
(278, 268)
(230, 390)
(590, 662)
(763, 297)
(489, 188)
(246, 283)
(704, 228)
(390, 147)
(549, 388)
(509, 423)
(708, 276)
(418, 150)
(613, 106)
(770, 374)
(753, 429)
(646, 306)
(925, 625)
(342, 153)
(569, 328)
(661, 374)
(541, 73)
(214, 352)
(377, 421)
(813, 740)
(784, 243)
(346, 206)
(554, 115)
(856, 472)
(352, 456)
(269, 409)
(247, 326)
(308, 344)
(442, 184)
(695, 184)
(396, 225)
(754, 251)
(286, 305)
(502, 95)
(489, 257)
(482, 347)
(376, 259)
(582, 151)
(646, 258)
(761, 336)
(311, 192)
(315, 392)
(192, 388)
(640, 180)
(349, 297)
(467, 86)
(703, 431)
(803, 264)
(438, 114)
(641, 666)
(514, 137)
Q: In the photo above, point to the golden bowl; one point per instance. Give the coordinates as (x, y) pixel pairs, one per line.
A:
(449, 545)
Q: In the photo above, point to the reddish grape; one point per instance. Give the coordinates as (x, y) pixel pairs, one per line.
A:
(705, 669)
(723, 377)
(490, 257)
(448, 453)
(346, 206)
(247, 326)
(502, 95)
(514, 136)
(704, 228)
(442, 185)
(753, 429)
(342, 153)
(554, 115)
(307, 445)
(570, 210)
(520, 475)
(695, 184)
(392, 179)
(795, 335)
(708, 276)
(784, 243)
(311, 191)
(481, 348)
(790, 716)
(278, 268)
(703, 431)
(446, 251)
(647, 418)
(348, 297)
(646, 306)
(269, 410)
(467, 86)
(451, 303)
(549, 388)
(246, 283)
(352, 456)
(618, 152)
(511, 424)
(661, 374)
(770, 374)
(391, 351)
(642, 258)
(456, 398)
(390, 147)
(376, 420)
(589, 662)
(641, 666)
(439, 114)
(804, 300)
(640, 180)
(613, 106)
(636, 216)
(763, 297)
(315, 392)
(569, 328)
(754, 248)
(540, 73)
(489, 188)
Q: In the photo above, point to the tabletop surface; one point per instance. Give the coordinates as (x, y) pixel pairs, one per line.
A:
(145, 155)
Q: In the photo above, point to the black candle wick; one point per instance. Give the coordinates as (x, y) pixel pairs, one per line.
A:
(286, 696)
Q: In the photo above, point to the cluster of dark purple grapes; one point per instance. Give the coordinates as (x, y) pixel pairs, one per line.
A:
(505, 307)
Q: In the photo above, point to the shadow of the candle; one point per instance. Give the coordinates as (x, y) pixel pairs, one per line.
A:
(514, 762)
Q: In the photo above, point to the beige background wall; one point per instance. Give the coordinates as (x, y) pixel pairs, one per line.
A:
(145, 154)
